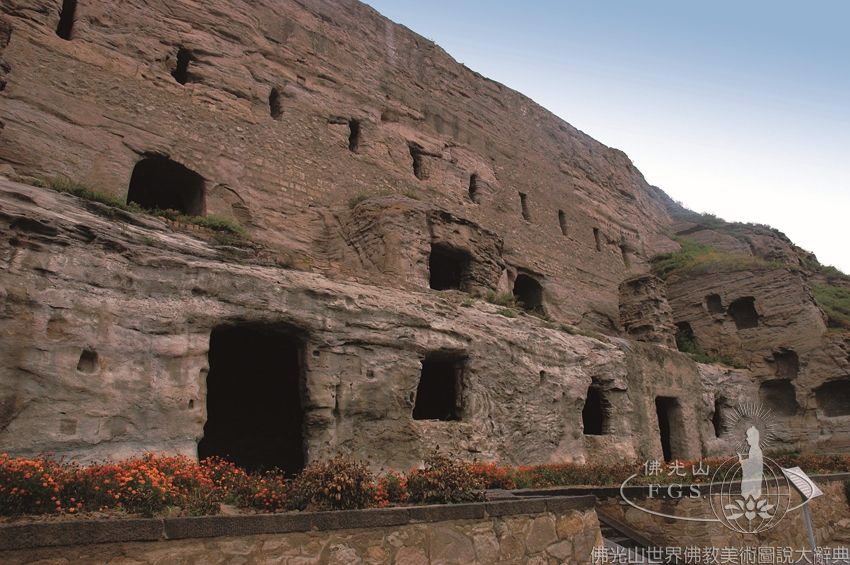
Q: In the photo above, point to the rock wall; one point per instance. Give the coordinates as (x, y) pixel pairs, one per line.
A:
(504, 532)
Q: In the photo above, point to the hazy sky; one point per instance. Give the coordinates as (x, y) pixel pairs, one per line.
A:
(738, 108)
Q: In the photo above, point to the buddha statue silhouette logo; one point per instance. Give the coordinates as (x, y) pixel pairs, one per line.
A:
(749, 493)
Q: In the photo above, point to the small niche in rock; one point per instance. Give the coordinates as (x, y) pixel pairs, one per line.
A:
(473, 188)
(416, 156)
(597, 239)
(562, 222)
(88, 361)
(714, 304)
(787, 363)
(528, 292)
(275, 106)
(834, 398)
(743, 311)
(523, 202)
(717, 419)
(779, 396)
(353, 135)
(627, 260)
(158, 183)
(65, 27)
(449, 268)
(596, 412)
(686, 341)
(181, 68)
(439, 395)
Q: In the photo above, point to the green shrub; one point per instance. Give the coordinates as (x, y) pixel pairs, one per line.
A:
(393, 487)
(502, 299)
(835, 301)
(506, 312)
(337, 484)
(444, 481)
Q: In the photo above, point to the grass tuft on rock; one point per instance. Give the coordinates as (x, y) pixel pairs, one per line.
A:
(695, 257)
(835, 301)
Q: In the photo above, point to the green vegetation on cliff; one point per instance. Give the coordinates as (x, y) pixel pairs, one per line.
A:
(697, 257)
(835, 301)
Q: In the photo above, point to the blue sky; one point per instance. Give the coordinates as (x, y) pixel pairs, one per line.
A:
(741, 109)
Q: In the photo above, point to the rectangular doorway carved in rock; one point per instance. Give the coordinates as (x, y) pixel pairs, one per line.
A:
(439, 395)
(255, 398)
(670, 427)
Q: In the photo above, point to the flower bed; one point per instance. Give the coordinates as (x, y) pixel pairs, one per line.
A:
(154, 484)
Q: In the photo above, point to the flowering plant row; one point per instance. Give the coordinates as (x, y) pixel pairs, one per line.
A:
(152, 484)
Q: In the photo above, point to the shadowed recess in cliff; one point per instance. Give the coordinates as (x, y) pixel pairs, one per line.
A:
(160, 183)
(439, 395)
(596, 412)
(449, 268)
(254, 398)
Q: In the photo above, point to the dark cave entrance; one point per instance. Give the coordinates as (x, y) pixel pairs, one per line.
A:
(669, 414)
(594, 415)
(686, 341)
(275, 106)
(473, 188)
(714, 304)
(834, 398)
(439, 395)
(66, 19)
(181, 69)
(416, 155)
(448, 268)
(353, 135)
(562, 221)
(254, 398)
(529, 293)
(743, 311)
(717, 420)
(779, 395)
(160, 183)
(787, 363)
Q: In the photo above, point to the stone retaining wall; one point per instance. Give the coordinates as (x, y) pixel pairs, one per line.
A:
(543, 531)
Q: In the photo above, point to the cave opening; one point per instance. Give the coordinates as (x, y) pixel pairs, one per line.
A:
(66, 19)
(686, 341)
(779, 396)
(714, 304)
(523, 202)
(562, 222)
(88, 361)
(353, 135)
(416, 156)
(528, 292)
(717, 419)
(473, 188)
(439, 395)
(597, 239)
(594, 415)
(158, 183)
(743, 311)
(448, 267)
(275, 104)
(669, 414)
(181, 69)
(787, 363)
(255, 398)
(833, 398)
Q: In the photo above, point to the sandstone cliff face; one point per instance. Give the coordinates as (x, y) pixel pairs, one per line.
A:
(385, 190)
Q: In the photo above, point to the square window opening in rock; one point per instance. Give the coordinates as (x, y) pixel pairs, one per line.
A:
(743, 311)
(779, 396)
(787, 363)
(158, 183)
(439, 395)
(448, 268)
(353, 135)
(529, 293)
(275, 104)
(714, 304)
(834, 398)
(255, 392)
